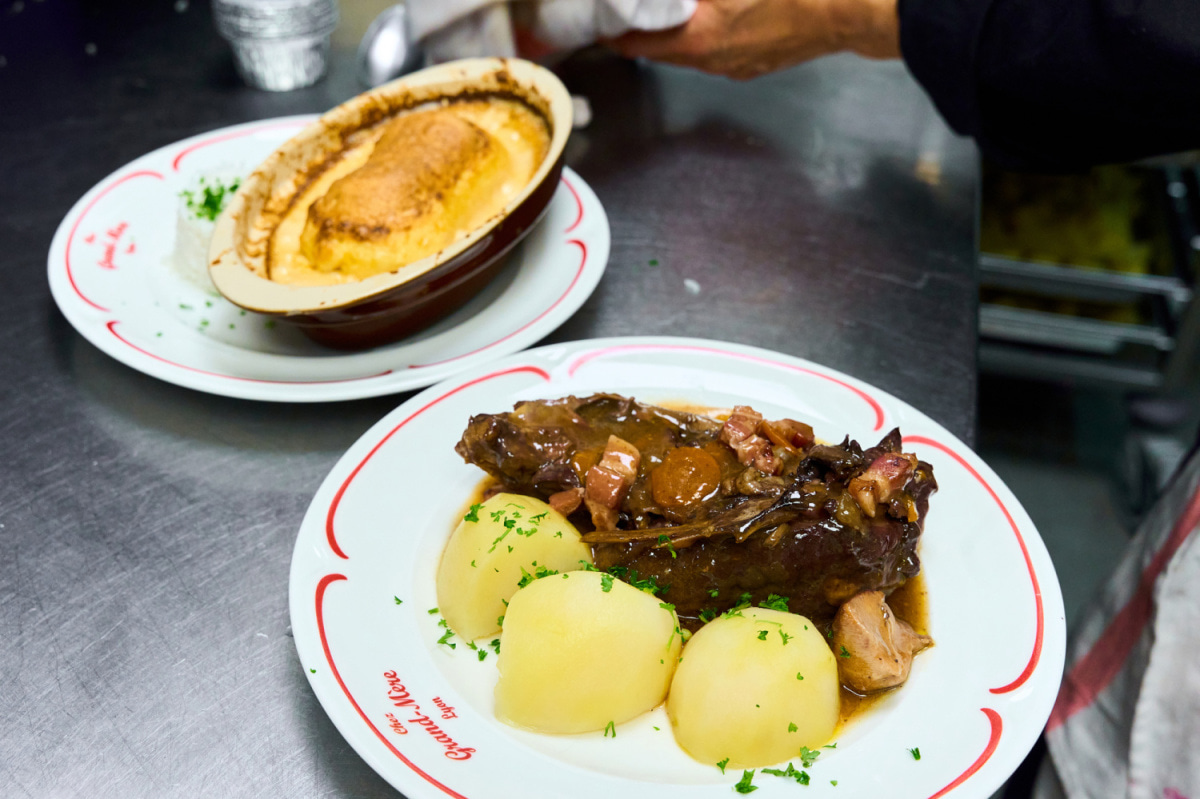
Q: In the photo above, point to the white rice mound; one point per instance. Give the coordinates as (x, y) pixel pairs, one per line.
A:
(189, 256)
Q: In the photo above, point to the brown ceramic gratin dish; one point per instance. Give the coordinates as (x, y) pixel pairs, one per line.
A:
(386, 307)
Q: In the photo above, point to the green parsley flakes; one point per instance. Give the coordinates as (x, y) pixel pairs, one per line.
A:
(209, 199)
(915, 752)
(611, 728)
(845, 653)
(775, 602)
(808, 756)
(473, 513)
(799, 776)
(399, 601)
(743, 785)
(721, 764)
(792, 726)
(606, 582)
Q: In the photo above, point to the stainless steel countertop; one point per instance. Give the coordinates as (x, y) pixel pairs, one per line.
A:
(146, 530)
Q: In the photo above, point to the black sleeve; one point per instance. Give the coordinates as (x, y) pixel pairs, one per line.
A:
(1060, 83)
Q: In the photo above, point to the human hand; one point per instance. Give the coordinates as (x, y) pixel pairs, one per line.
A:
(746, 38)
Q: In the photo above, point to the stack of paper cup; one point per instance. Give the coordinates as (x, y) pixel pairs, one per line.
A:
(278, 45)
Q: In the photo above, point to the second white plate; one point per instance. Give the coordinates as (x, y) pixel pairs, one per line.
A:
(363, 572)
(109, 274)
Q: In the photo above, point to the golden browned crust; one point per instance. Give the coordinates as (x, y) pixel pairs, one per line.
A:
(418, 160)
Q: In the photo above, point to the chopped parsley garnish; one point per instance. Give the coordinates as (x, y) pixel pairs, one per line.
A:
(313, 671)
(915, 752)
(799, 776)
(808, 756)
(538, 573)
(833, 783)
(445, 639)
(495, 644)
(432, 611)
(611, 728)
(792, 726)
(499, 621)
(666, 540)
(722, 764)
(666, 606)
(845, 653)
(775, 602)
(473, 513)
(399, 601)
(785, 637)
(538, 519)
(762, 635)
(713, 592)
(707, 615)
(606, 582)
(207, 201)
(830, 746)
(799, 676)
(743, 785)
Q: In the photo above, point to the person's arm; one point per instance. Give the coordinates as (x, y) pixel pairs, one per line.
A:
(746, 38)
(1060, 84)
(1046, 83)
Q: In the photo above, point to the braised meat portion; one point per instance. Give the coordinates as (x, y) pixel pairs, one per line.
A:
(715, 511)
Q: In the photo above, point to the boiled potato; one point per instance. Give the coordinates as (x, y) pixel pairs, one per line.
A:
(482, 564)
(737, 693)
(584, 650)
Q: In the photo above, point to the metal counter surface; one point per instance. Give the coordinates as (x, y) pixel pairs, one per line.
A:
(146, 530)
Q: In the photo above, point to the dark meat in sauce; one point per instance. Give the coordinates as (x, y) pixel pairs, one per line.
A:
(718, 511)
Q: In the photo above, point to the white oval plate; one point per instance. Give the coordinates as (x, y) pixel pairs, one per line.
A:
(362, 581)
(109, 274)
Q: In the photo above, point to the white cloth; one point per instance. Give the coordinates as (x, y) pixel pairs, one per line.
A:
(449, 29)
(1127, 721)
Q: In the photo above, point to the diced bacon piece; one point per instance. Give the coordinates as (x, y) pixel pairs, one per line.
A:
(787, 433)
(603, 518)
(622, 457)
(606, 486)
(609, 480)
(886, 475)
(567, 502)
(742, 423)
(751, 448)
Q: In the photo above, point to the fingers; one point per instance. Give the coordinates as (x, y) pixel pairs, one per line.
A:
(655, 45)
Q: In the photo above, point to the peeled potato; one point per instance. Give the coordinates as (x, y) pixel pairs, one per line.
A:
(481, 565)
(737, 693)
(581, 651)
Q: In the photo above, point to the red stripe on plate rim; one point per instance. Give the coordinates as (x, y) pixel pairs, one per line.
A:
(590, 356)
(997, 729)
(112, 328)
(1035, 656)
(578, 206)
(330, 534)
(79, 220)
(236, 134)
(553, 305)
(325, 582)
